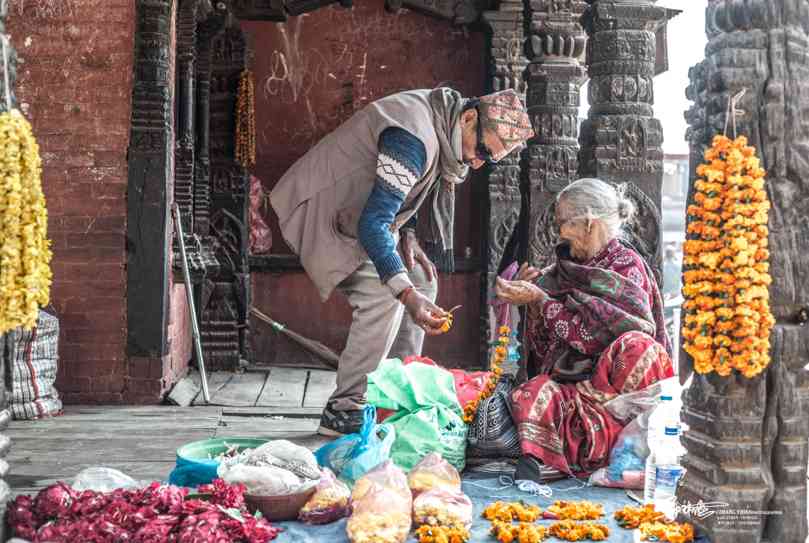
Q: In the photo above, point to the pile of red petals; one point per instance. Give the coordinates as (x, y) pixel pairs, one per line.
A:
(155, 514)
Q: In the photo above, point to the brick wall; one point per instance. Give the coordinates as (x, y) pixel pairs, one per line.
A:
(74, 85)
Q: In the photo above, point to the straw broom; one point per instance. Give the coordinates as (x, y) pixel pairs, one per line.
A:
(315, 347)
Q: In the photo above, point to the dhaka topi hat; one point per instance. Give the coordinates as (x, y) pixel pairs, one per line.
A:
(504, 114)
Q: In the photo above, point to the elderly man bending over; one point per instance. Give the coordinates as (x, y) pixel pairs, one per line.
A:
(341, 208)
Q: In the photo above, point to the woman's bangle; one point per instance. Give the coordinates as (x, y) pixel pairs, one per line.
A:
(402, 296)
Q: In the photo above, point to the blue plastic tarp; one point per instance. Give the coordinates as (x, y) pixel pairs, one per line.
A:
(482, 492)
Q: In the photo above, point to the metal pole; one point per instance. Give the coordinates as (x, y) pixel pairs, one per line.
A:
(190, 295)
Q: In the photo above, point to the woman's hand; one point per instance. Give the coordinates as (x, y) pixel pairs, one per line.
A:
(527, 273)
(518, 292)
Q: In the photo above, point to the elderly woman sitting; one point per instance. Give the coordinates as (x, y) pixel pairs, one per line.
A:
(595, 330)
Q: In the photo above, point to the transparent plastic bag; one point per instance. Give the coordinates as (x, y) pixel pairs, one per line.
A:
(627, 457)
(351, 456)
(628, 406)
(331, 501)
(101, 479)
(443, 507)
(433, 472)
(381, 507)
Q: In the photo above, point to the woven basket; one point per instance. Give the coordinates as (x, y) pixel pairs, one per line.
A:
(278, 508)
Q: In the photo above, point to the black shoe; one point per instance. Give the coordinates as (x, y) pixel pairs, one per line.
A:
(335, 423)
(532, 469)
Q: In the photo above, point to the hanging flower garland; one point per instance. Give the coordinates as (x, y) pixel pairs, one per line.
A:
(498, 357)
(25, 255)
(246, 120)
(727, 319)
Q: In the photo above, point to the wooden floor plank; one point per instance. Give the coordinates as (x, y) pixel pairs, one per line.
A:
(284, 388)
(320, 387)
(261, 411)
(242, 390)
(216, 380)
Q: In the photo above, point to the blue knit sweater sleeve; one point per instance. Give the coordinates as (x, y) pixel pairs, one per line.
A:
(400, 165)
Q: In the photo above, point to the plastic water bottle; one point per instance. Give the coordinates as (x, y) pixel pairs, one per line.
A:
(668, 471)
(665, 414)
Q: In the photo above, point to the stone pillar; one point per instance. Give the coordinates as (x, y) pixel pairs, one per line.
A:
(747, 443)
(506, 70)
(555, 75)
(621, 139)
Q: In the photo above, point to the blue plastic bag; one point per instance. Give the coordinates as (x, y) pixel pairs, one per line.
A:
(352, 456)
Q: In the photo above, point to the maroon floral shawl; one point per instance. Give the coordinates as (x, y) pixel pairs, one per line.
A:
(590, 306)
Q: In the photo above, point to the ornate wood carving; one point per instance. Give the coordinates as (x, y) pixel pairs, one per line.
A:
(458, 11)
(621, 139)
(149, 171)
(747, 443)
(506, 70)
(555, 75)
(184, 100)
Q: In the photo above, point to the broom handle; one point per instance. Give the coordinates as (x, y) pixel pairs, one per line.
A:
(190, 296)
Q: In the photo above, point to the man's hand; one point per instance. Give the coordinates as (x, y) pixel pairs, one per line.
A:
(425, 314)
(518, 292)
(412, 253)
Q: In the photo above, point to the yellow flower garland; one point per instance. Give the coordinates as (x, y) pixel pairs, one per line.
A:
(727, 319)
(246, 121)
(499, 356)
(25, 255)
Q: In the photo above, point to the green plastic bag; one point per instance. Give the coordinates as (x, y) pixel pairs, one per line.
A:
(428, 416)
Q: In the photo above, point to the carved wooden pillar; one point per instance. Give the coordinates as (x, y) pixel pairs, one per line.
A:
(555, 76)
(225, 295)
(185, 101)
(621, 139)
(747, 443)
(506, 70)
(149, 175)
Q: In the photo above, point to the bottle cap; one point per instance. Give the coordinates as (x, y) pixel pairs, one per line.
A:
(665, 398)
(671, 430)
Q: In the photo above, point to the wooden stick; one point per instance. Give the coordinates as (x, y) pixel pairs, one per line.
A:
(315, 347)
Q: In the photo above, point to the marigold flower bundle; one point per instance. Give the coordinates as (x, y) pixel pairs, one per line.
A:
(569, 530)
(727, 319)
(25, 255)
(498, 357)
(246, 120)
(442, 534)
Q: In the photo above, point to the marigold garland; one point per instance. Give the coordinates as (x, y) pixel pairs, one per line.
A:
(25, 255)
(653, 524)
(442, 534)
(498, 357)
(727, 319)
(246, 120)
(524, 532)
(632, 517)
(570, 530)
(508, 511)
(672, 533)
(583, 510)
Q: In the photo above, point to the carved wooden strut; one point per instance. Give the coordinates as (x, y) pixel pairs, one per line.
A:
(747, 443)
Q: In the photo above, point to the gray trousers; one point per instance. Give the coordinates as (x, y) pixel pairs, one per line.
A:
(380, 329)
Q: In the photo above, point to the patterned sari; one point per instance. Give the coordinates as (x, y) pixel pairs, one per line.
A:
(599, 335)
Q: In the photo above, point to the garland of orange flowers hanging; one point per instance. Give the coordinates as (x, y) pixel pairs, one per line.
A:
(727, 320)
(496, 370)
(246, 120)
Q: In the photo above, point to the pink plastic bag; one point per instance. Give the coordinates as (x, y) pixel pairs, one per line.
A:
(443, 507)
(260, 234)
(432, 472)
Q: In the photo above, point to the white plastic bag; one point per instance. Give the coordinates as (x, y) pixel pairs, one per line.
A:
(101, 479)
(628, 406)
(627, 457)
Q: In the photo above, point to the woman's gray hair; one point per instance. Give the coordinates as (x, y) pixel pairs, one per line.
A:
(591, 198)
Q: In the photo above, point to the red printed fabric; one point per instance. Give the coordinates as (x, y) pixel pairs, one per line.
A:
(591, 305)
(260, 233)
(601, 334)
(565, 425)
